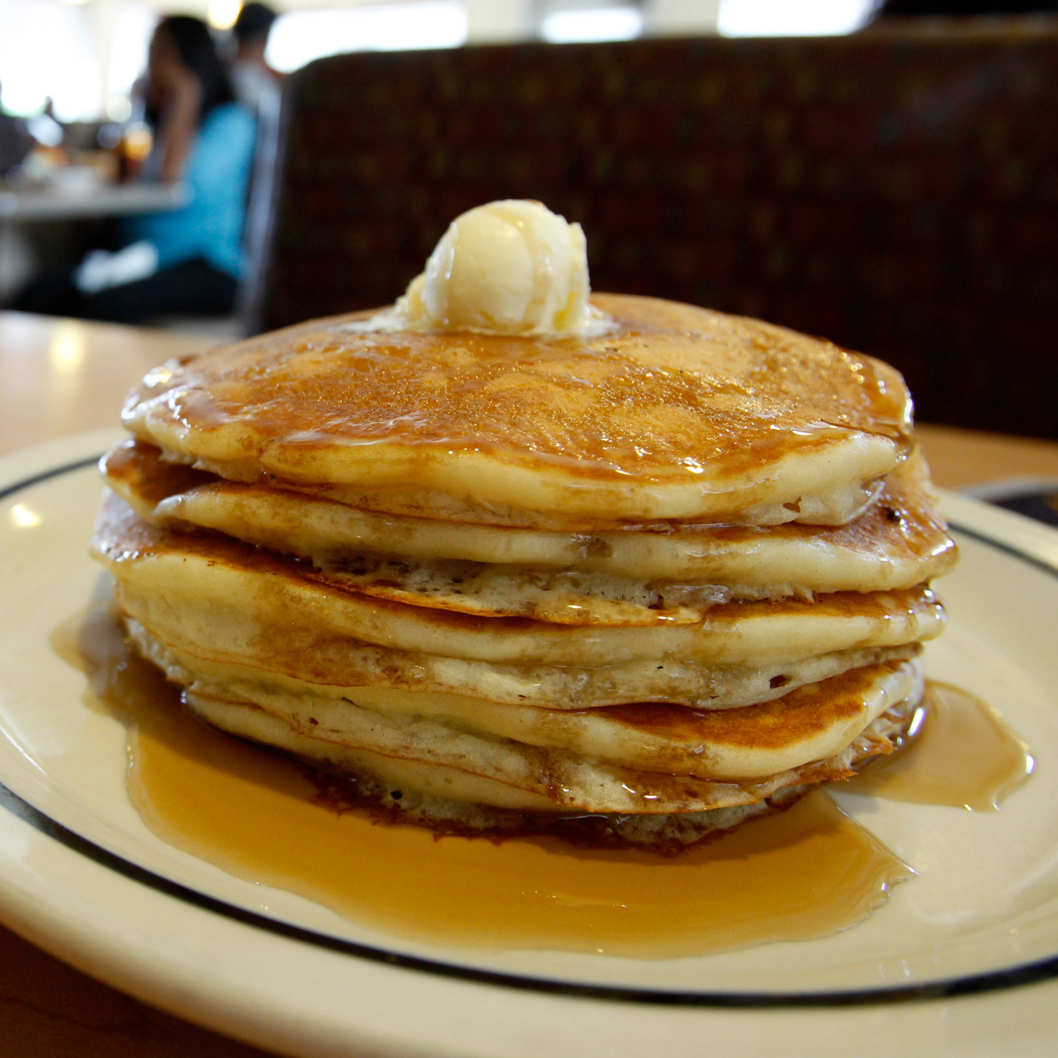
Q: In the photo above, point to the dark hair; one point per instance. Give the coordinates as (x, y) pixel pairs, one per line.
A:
(197, 51)
(254, 20)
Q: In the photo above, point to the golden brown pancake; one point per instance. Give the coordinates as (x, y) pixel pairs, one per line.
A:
(632, 577)
(668, 575)
(808, 723)
(678, 413)
(214, 588)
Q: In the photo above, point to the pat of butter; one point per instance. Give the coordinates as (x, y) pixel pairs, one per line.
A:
(509, 267)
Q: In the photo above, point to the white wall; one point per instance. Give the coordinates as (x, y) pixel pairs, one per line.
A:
(498, 20)
(676, 17)
(86, 54)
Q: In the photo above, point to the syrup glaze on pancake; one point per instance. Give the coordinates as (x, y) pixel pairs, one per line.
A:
(679, 413)
(676, 570)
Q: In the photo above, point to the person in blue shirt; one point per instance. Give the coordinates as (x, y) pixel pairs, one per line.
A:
(188, 260)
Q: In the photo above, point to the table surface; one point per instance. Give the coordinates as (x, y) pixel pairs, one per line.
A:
(60, 377)
(73, 202)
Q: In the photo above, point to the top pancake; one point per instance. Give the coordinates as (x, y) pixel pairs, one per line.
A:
(678, 413)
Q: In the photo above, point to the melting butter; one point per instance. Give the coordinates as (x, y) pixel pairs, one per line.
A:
(508, 267)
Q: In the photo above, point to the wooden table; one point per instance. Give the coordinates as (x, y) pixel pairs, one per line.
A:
(62, 377)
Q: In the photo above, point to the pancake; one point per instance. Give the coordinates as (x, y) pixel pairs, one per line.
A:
(630, 577)
(534, 780)
(335, 664)
(214, 589)
(499, 559)
(239, 651)
(677, 413)
(791, 729)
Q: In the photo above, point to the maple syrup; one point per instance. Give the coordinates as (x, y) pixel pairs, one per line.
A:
(803, 873)
(959, 751)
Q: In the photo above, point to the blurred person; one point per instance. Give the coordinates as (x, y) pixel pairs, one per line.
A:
(187, 260)
(15, 142)
(256, 83)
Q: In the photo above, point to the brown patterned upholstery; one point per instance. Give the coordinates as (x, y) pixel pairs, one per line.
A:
(896, 191)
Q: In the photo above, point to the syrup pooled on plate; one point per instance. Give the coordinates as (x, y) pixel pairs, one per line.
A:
(804, 873)
(959, 751)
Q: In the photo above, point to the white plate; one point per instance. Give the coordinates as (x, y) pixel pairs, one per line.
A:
(962, 959)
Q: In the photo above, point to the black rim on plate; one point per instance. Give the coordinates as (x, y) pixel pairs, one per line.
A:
(970, 984)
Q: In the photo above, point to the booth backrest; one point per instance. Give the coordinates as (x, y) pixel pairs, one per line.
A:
(895, 191)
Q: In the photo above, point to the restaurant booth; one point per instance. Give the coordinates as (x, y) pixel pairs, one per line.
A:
(894, 190)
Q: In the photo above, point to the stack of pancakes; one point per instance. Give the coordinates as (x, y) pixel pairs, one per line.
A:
(660, 580)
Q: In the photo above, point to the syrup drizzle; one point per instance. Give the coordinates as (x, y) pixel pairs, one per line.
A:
(959, 752)
(804, 873)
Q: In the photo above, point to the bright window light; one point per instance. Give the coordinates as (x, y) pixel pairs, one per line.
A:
(46, 52)
(221, 14)
(301, 36)
(781, 18)
(588, 24)
(130, 37)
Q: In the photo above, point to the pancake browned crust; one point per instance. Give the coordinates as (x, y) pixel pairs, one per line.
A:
(667, 577)
(677, 413)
